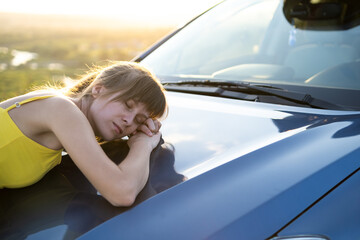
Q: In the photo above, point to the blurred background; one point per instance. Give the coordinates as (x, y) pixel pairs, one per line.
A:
(45, 41)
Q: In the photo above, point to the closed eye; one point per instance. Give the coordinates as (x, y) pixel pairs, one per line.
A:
(140, 119)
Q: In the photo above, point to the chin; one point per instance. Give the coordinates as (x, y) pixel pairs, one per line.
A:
(104, 137)
(108, 138)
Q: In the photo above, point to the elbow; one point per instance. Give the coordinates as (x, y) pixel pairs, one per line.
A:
(124, 202)
(123, 192)
(122, 199)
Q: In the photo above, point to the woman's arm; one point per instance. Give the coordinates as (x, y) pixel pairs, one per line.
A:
(119, 184)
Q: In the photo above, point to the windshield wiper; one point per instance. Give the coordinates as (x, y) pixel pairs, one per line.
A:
(217, 91)
(221, 88)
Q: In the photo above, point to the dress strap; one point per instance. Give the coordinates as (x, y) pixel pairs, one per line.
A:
(18, 104)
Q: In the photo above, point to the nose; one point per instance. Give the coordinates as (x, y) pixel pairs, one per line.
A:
(129, 118)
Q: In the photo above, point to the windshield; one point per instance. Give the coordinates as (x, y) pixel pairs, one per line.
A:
(254, 41)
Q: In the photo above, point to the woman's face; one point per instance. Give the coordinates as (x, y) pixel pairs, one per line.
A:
(115, 119)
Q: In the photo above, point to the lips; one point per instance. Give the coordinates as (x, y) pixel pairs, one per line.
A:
(118, 129)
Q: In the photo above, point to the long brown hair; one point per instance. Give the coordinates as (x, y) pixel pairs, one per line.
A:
(130, 80)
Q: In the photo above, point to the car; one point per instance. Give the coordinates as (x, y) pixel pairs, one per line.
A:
(262, 140)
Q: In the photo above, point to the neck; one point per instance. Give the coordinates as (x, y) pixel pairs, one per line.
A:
(82, 104)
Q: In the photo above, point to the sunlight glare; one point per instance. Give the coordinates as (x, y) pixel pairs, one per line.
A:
(164, 12)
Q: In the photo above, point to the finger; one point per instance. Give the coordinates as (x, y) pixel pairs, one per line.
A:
(145, 129)
(150, 124)
(157, 124)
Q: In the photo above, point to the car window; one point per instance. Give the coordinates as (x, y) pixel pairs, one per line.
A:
(217, 46)
(254, 41)
(215, 41)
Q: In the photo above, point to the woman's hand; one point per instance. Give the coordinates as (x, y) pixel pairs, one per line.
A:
(141, 140)
(147, 134)
(149, 127)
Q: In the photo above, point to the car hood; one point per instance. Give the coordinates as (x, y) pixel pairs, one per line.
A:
(244, 162)
(207, 132)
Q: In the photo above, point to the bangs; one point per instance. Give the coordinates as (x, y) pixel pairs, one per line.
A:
(148, 93)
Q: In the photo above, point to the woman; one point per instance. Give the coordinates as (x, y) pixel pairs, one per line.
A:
(121, 100)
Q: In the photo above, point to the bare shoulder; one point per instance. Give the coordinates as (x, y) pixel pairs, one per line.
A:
(54, 108)
(59, 104)
(68, 123)
(62, 109)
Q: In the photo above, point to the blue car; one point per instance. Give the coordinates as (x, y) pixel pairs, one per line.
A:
(262, 140)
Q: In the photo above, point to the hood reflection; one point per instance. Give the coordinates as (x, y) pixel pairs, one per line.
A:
(297, 120)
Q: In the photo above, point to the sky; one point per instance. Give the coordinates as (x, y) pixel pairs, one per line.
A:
(154, 12)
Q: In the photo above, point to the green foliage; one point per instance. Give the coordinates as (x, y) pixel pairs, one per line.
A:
(19, 81)
(71, 43)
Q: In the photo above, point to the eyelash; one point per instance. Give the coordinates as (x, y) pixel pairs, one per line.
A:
(140, 120)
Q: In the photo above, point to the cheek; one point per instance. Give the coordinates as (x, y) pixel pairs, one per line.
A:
(98, 115)
(104, 112)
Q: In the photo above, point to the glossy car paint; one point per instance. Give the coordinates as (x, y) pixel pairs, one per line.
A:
(341, 219)
(262, 181)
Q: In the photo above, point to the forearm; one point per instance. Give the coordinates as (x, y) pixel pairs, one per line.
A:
(135, 168)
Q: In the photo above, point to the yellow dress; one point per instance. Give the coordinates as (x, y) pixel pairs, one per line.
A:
(22, 160)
